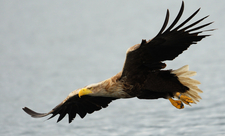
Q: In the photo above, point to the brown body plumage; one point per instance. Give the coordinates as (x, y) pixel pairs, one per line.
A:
(142, 75)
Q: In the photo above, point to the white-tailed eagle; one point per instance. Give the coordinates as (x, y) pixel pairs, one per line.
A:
(143, 75)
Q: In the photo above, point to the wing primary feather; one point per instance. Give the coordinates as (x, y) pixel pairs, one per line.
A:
(53, 115)
(165, 22)
(189, 26)
(203, 31)
(72, 114)
(177, 18)
(56, 110)
(209, 29)
(188, 19)
(62, 115)
(194, 29)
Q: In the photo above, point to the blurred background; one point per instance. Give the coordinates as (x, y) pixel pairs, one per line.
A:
(50, 48)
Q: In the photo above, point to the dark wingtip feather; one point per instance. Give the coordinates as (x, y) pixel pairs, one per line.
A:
(165, 22)
(33, 113)
(193, 24)
(210, 29)
(194, 29)
(53, 115)
(177, 18)
(61, 117)
(72, 114)
(188, 19)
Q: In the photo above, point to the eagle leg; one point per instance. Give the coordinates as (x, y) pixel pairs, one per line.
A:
(177, 103)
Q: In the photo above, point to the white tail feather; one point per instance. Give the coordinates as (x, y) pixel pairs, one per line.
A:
(188, 74)
(184, 75)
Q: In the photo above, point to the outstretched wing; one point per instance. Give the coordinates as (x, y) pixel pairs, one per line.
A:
(73, 106)
(166, 45)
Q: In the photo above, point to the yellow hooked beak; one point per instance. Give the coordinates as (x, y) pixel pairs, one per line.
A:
(84, 91)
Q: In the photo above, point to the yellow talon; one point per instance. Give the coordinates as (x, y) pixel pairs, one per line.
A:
(185, 99)
(176, 103)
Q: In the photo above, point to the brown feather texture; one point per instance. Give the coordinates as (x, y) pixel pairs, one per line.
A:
(143, 75)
